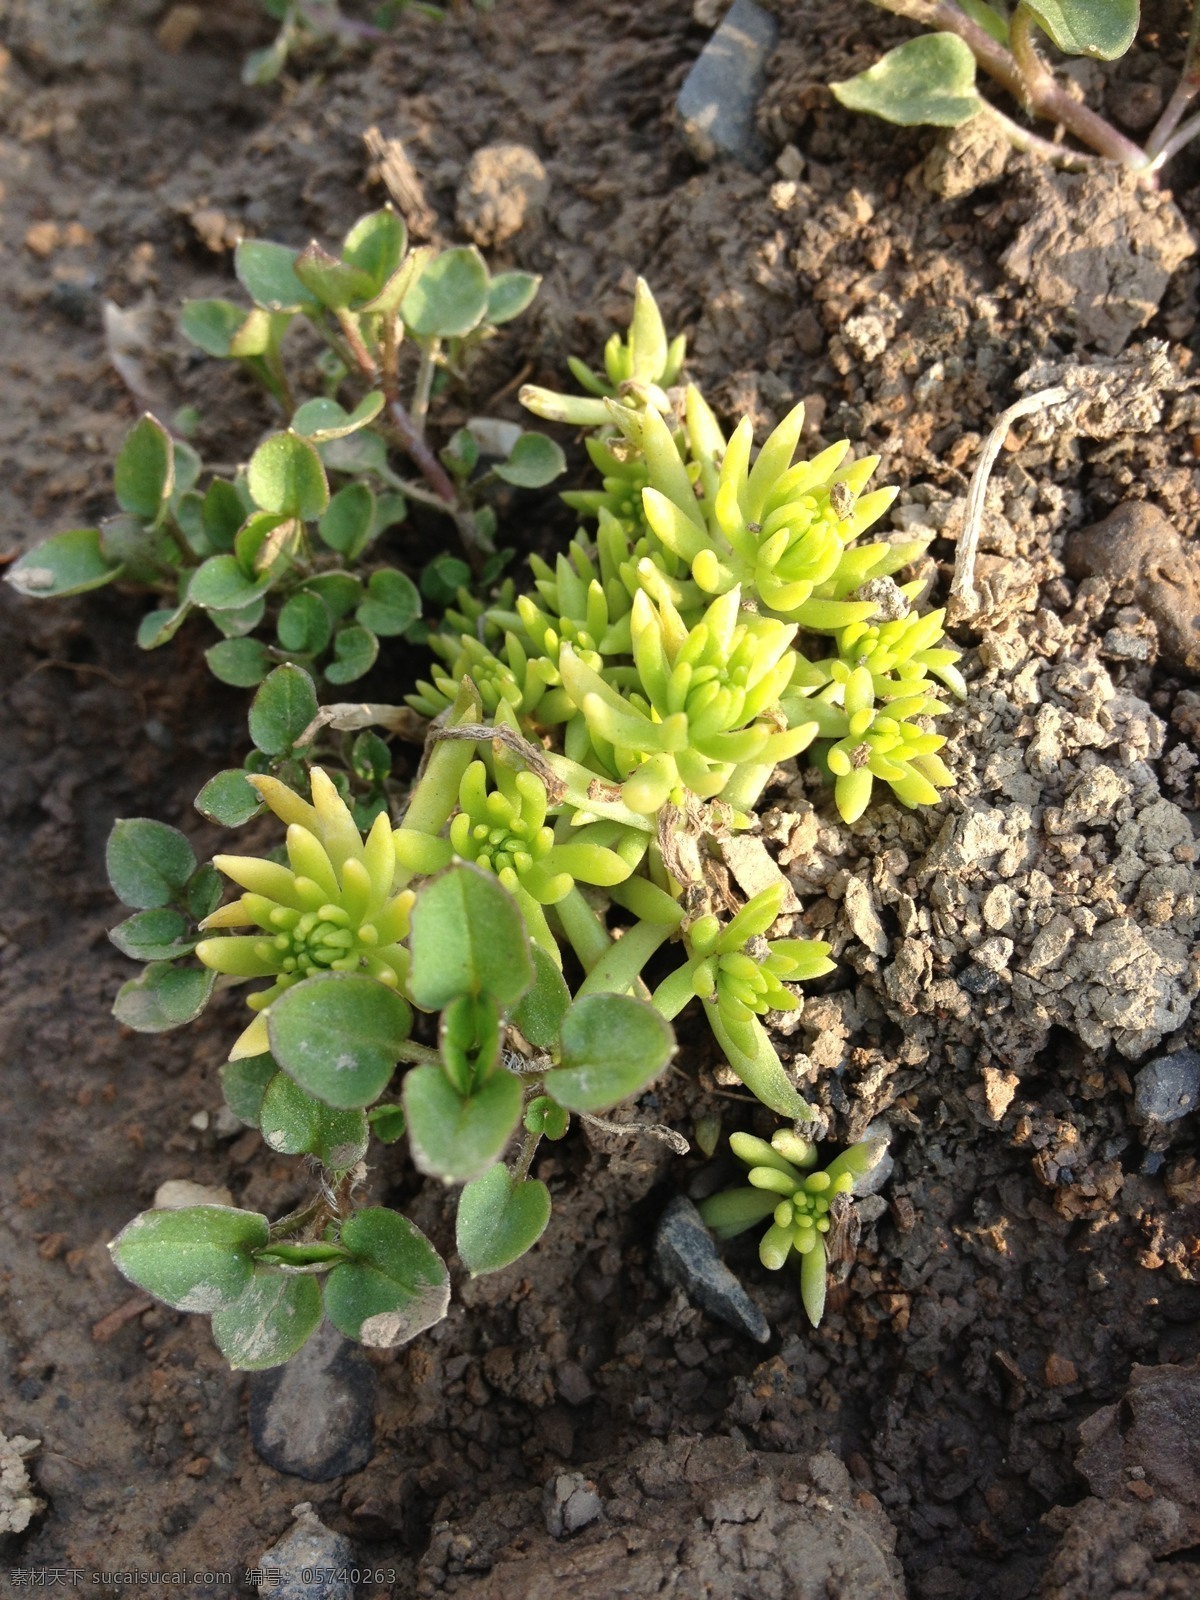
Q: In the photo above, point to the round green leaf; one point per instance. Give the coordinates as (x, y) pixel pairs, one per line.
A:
(468, 937)
(194, 1259)
(156, 627)
(269, 1321)
(535, 461)
(244, 1083)
(499, 1220)
(339, 590)
(228, 799)
(930, 79)
(354, 652)
(148, 862)
(265, 271)
(334, 283)
(219, 584)
(158, 935)
(339, 1035)
(67, 563)
(541, 1009)
(204, 890)
(211, 324)
(509, 293)
(1103, 29)
(285, 476)
(376, 245)
(613, 1046)
(324, 419)
(304, 626)
(456, 1137)
(396, 1286)
(223, 514)
(357, 453)
(443, 578)
(145, 469)
(349, 521)
(387, 1123)
(164, 997)
(450, 297)
(236, 624)
(392, 603)
(283, 707)
(241, 662)
(293, 1123)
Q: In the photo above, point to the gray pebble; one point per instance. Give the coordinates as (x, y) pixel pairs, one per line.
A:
(1167, 1089)
(570, 1502)
(721, 93)
(871, 1182)
(685, 1255)
(314, 1416)
(310, 1562)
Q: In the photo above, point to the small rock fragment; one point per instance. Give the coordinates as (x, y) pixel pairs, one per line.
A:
(685, 1255)
(310, 1562)
(314, 1415)
(570, 1502)
(1140, 553)
(18, 1504)
(1101, 247)
(1167, 1089)
(966, 158)
(1059, 1371)
(721, 93)
(503, 190)
(176, 1193)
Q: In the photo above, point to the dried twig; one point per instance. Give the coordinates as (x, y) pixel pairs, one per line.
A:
(963, 601)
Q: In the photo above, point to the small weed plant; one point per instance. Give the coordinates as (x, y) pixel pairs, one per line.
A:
(507, 946)
(931, 79)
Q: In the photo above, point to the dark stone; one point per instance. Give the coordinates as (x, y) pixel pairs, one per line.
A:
(310, 1562)
(685, 1255)
(1167, 1089)
(720, 94)
(314, 1416)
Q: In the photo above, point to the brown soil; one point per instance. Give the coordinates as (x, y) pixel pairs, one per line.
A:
(1007, 960)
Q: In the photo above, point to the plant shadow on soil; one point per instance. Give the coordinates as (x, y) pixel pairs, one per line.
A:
(1026, 1253)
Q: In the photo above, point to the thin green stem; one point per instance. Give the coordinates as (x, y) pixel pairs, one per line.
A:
(619, 970)
(583, 929)
(1185, 92)
(424, 385)
(525, 1160)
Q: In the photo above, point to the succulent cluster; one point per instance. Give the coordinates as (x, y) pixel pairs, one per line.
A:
(802, 1202)
(590, 745)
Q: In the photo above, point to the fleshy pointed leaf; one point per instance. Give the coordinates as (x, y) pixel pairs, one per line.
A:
(499, 1220)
